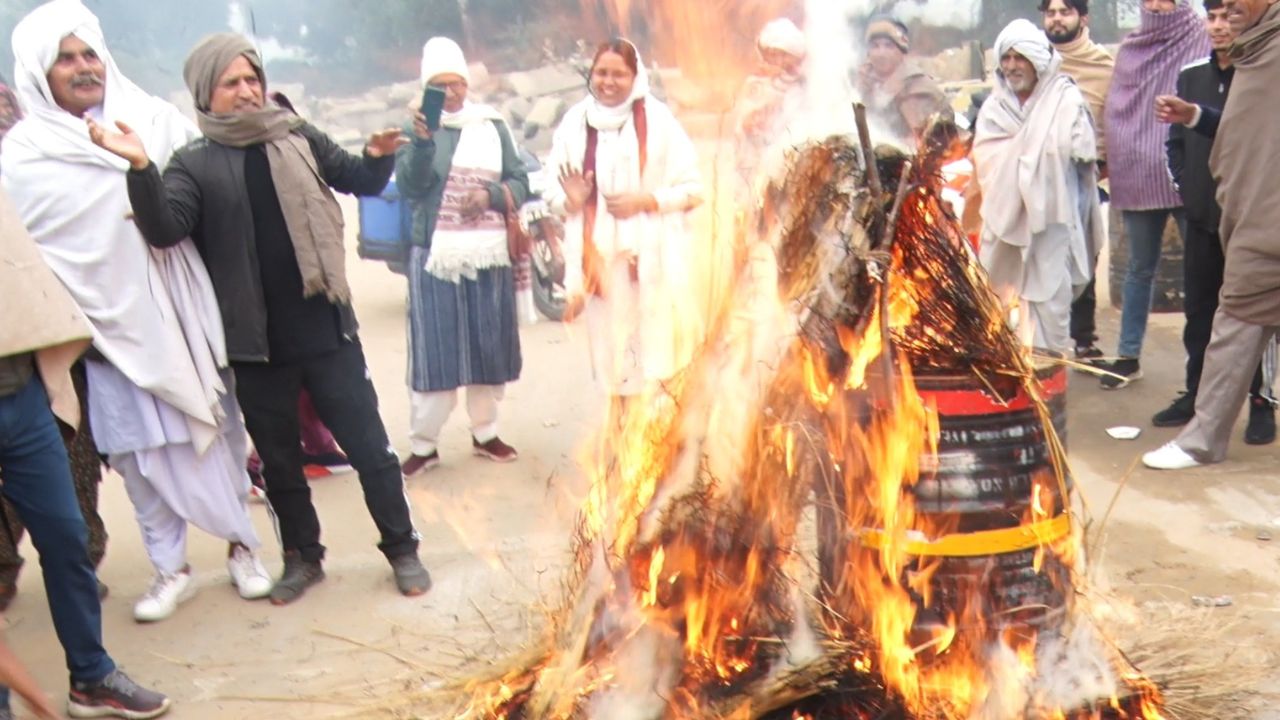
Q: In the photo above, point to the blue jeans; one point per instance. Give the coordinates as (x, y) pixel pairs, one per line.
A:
(1144, 234)
(36, 479)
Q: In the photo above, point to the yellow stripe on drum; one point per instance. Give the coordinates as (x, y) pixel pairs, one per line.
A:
(987, 542)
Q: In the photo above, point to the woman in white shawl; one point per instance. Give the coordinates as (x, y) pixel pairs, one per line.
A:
(463, 328)
(628, 178)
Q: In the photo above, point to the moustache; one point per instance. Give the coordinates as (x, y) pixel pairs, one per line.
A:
(86, 81)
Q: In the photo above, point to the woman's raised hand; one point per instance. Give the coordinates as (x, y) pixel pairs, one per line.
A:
(577, 187)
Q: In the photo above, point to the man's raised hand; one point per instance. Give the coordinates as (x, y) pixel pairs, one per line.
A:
(385, 142)
(125, 143)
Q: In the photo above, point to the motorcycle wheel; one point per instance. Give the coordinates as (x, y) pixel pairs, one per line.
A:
(548, 295)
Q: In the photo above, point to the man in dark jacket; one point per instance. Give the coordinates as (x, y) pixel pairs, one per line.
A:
(254, 194)
(1206, 84)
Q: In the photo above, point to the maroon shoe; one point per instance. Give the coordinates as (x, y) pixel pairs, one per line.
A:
(420, 463)
(495, 450)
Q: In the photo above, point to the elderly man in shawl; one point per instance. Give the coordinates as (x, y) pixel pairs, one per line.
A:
(42, 335)
(1035, 153)
(1066, 23)
(158, 397)
(255, 195)
(769, 98)
(1245, 155)
(1170, 36)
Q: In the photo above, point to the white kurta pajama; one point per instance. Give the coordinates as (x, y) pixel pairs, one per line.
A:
(1041, 219)
(643, 331)
(160, 405)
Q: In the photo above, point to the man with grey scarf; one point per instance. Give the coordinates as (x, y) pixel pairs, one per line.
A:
(255, 194)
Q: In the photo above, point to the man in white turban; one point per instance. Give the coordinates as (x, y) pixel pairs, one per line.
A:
(1035, 152)
(159, 393)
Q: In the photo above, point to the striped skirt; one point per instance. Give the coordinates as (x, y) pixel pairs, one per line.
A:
(463, 333)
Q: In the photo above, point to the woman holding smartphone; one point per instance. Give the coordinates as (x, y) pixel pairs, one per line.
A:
(628, 179)
(460, 174)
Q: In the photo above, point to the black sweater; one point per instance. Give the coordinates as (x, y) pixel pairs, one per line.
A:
(1205, 84)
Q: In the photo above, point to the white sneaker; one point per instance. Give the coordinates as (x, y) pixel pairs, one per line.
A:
(1170, 457)
(164, 596)
(247, 574)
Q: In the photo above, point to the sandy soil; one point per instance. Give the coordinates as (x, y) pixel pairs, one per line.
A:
(495, 536)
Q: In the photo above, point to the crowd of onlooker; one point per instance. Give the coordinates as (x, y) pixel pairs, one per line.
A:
(184, 301)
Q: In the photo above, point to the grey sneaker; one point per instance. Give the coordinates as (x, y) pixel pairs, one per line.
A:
(411, 577)
(298, 576)
(115, 696)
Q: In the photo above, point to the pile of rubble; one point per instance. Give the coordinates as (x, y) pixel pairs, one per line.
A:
(532, 101)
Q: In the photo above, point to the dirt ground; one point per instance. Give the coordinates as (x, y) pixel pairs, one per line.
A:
(495, 536)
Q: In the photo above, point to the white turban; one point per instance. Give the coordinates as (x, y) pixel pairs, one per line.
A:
(1029, 41)
(442, 56)
(782, 34)
(52, 131)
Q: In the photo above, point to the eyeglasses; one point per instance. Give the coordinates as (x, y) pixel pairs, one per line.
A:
(455, 85)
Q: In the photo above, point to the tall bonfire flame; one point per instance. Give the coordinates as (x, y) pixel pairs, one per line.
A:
(779, 531)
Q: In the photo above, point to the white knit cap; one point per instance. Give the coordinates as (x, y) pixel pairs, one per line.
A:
(442, 56)
(782, 34)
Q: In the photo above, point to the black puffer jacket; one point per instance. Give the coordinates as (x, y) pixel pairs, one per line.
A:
(1206, 84)
(202, 195)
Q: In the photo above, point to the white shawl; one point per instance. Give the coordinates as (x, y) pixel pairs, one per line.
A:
(153, 312)
(460, 248)
(1036, 167)
(661, 241)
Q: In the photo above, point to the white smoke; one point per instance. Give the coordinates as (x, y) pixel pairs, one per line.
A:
(962, 14)
(239, 20)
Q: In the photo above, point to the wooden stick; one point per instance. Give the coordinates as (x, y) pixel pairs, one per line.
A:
(868, 152)
(886, 246)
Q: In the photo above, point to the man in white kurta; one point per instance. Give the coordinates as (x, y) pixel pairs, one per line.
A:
(1035, 152)
(158, 389)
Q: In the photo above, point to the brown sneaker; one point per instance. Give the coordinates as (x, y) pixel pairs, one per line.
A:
(420, 463)
(495, 450)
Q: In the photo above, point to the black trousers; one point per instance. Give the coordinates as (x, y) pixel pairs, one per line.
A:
(1084, 309)
(1202, 281)
(344, 397)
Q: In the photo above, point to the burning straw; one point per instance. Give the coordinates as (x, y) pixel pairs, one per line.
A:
(690, 595)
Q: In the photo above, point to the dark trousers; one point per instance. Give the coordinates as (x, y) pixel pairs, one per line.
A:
(344, 397)
(1202, 281)
(1084, 310)
(86, 473)
(37, 480)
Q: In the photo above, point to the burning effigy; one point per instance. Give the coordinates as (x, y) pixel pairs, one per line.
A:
(853, 503)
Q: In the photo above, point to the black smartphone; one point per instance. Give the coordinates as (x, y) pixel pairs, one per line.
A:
(432, 106)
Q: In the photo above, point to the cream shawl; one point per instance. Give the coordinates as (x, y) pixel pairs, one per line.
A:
(1091, 66)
